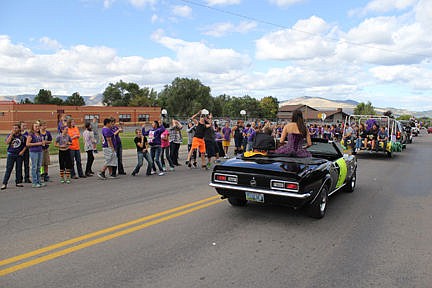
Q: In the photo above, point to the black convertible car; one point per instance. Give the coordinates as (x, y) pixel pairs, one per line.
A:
(279, 179)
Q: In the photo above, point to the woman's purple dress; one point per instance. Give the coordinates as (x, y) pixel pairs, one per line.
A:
(294, 146)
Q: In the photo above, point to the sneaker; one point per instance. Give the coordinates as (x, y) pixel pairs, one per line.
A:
(133, 174)
(4, 187)
(62, 180)
(67, 181)
(153, 172)
(42, 184)
(46, 178)
(171, 169)
(187, 163)
(161, 173)
(101, 175)
(112, 177)
(164, 169)
(27, 181)
(36, 185)
(225, 157)
(195, 165)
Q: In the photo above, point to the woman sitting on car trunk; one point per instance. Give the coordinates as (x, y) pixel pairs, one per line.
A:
(294, 134)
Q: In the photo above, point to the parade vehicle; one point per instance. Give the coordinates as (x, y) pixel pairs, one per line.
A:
(281, 179)
(395, 142)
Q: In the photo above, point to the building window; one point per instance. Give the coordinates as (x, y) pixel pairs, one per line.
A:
(125, 118)
(2, 113)
(89, 117)
(143, 118)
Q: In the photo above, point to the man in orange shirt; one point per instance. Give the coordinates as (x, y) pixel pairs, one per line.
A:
(74, 148)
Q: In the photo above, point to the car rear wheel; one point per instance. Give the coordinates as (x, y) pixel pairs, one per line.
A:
(351, 183)
(237, 201)
(318, 207)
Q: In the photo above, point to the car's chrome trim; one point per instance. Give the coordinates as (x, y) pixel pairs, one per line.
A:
(264, 191)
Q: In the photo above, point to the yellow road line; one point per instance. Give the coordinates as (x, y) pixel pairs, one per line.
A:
(100, 232)
(101, 239)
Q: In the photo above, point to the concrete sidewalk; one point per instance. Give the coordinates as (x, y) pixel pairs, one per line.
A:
(127, 154)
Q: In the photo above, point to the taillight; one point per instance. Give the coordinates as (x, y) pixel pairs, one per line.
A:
(398, 134)
(284, 185)
(292, 186)
(221, 177)
(225, 178)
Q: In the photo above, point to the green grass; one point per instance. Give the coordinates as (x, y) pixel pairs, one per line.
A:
(126, 137)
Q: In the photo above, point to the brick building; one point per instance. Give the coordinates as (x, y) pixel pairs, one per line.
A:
(12, 112)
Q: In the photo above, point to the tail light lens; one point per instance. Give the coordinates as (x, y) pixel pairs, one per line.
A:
(398, 135)
(284, 185)
(225, 178)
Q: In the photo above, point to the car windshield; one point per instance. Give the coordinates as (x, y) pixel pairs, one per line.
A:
(323, 148)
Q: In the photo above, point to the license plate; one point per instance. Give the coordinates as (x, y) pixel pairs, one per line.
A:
(255, 197)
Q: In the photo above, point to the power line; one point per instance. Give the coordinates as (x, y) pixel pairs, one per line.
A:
(223, 11)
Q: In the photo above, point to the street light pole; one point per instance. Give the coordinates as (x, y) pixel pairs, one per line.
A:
(243, 113)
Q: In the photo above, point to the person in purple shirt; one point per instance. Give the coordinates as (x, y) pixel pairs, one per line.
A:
(16, 147)
(119, 148)
(250, 136)
(110, 156)
(226, 131)
(35, 143)
(62, 123)
(154, 139)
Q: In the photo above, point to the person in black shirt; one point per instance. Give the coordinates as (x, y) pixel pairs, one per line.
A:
(142, 153)
(198, 139)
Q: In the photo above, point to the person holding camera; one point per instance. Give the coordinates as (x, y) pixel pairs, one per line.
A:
(198, 139)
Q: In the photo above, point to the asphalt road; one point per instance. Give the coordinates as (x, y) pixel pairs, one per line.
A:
(154, 232)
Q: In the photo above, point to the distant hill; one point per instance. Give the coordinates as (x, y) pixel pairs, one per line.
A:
(95, 100)
(348, 106)
(322, 103)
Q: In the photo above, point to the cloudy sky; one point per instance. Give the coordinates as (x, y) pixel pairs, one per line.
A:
(378, 50)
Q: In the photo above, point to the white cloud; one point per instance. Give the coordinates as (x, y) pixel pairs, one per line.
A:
(417, 76)
(182, 11)
(142, 3)
(50, 44)
(382, 6)
(303, 41)
(107, 3)
(154, 18)
(196, 56)
(386, 40)
(223, 2)
(222, 29)
(283, 3)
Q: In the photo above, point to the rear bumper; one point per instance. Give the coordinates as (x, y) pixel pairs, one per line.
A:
(270, 196)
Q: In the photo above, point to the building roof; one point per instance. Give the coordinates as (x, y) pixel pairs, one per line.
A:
(291, 108)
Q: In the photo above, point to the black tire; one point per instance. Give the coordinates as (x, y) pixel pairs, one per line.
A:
(318, 207)
(351, 183)
(237, 201)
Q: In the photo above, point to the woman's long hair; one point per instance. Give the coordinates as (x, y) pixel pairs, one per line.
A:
(297, 117)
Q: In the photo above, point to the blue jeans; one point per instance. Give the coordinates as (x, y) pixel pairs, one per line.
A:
(11, 160)
(36, 162)
(76, 157)
(155, 152)
(166, 151)
(359, 143)
(141, 156)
